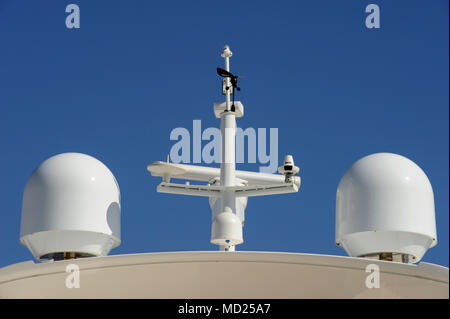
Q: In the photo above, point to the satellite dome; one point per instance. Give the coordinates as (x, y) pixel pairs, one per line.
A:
(70, 208)
(385, 207)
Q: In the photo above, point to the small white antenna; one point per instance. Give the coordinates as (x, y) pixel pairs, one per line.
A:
(230, 189)
(226, 53)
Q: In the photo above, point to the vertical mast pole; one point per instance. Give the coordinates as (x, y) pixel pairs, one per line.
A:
(228, 164)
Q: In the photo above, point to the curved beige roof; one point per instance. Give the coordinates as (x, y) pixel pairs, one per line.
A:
(210, 274)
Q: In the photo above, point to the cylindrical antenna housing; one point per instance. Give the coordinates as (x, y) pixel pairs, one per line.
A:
(226, 229)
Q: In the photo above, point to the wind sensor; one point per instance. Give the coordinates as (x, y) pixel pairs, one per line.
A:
(227, 188)
(232, 80)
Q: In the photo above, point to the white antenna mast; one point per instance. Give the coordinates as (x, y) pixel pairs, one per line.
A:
(227, 188)
(228, 164)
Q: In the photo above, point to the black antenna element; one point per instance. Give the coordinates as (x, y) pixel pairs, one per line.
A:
(233, 80)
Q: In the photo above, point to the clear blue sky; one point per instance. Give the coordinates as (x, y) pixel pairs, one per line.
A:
(116, 87)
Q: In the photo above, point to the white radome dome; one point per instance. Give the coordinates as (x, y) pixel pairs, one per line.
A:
(385, 204)
(71, 204)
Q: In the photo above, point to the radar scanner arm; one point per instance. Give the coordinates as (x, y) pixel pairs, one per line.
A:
(254, 183)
